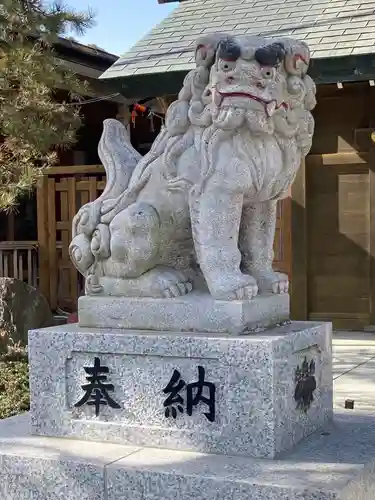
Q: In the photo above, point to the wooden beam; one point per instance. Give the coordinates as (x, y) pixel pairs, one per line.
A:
(342, 321)
(19, 245)
(299, 299)
(335, 159)
(76, 169)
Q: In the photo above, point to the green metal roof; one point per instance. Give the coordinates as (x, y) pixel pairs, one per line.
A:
(332, 28)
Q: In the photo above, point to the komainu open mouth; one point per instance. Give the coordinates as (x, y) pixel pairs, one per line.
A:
(269, 106)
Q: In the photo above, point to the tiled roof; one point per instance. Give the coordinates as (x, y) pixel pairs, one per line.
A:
(330, 27)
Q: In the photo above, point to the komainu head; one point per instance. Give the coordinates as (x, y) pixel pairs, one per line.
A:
(248, 80)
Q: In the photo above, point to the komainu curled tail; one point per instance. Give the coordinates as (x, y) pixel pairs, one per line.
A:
(90, 237)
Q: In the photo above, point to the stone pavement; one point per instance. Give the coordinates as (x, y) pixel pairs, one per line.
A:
(354, 370)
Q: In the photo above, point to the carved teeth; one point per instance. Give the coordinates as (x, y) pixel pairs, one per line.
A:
(217, 97)
(271, 108)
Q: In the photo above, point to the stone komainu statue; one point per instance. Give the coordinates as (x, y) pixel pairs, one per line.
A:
(199, 210)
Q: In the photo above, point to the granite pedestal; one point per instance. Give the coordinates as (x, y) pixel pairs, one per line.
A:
(196, 312)
(252, 413)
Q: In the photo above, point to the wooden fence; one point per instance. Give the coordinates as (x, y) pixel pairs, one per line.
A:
(19, 259)
(60, 194)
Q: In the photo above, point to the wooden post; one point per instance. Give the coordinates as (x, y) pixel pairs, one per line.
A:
(72, 202)
(299, 299)
(42, 220)
(53, 275)
(30, 267)
(64, 266)
(372, 229)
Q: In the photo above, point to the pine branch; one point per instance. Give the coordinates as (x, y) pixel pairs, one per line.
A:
(33, 124)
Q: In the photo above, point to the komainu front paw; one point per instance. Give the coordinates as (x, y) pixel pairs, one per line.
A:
(170, 282)
(272, 282)
(240, 287)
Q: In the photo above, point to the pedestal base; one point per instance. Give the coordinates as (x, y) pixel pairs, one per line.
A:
(195, 312)
(50, 468)
(254, 395)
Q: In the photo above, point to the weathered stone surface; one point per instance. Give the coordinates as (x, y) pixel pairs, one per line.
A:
(196, 312)
(254, 375)
(22, 308)
(34, 468)
(336, 465)
(202, 203)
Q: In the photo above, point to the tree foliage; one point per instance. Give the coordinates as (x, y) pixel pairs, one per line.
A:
(33, 124)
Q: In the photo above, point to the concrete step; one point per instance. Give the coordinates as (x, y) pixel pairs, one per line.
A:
(337, 463)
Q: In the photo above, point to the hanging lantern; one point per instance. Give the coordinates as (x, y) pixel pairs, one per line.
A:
(139, 108)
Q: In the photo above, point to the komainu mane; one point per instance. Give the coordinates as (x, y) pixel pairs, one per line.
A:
(199, 210)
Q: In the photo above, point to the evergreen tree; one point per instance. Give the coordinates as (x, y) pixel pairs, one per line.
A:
(33, 124)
